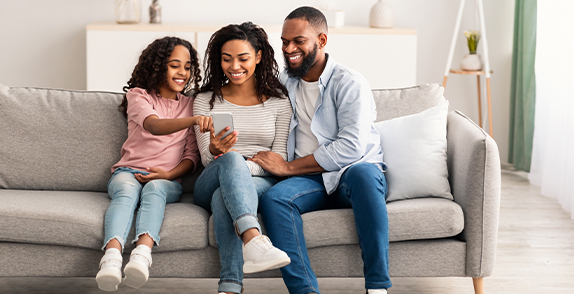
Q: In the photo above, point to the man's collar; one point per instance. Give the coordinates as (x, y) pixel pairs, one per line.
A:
(328, 71)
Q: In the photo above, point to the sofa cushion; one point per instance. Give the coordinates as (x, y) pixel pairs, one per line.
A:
(70, 138)
(392, 103)
(413, 219)
(77, 219)
(415, 153)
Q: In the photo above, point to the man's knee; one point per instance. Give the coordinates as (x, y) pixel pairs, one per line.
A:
(364, 173)
(365, 179)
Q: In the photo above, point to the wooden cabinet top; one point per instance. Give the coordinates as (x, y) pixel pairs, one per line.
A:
(189, 27)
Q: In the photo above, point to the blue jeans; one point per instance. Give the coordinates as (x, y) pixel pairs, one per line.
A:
(227, 189)
(364, 188)
(126, 192)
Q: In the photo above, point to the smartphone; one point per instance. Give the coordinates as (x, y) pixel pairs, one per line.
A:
(221, 120)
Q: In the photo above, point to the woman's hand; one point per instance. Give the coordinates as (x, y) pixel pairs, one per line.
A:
(218, 156)
(219, 146)
(155, 173)
(205, 123)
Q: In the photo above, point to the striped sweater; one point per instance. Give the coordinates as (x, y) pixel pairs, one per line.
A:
(261, 127)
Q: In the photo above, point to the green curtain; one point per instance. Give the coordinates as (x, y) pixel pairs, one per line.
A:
(523, 85)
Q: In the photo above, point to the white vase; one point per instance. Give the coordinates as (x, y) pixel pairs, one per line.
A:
(471, 62)
(128, 11)
(381, 15)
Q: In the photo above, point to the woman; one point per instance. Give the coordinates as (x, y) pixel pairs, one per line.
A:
(241, 78)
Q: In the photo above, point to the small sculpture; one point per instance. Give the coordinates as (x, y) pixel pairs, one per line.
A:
(155, 12)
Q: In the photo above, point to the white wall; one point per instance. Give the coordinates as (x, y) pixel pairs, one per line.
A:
(44, 42)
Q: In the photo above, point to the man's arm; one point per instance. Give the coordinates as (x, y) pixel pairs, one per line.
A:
(353, 115)
(275, 164)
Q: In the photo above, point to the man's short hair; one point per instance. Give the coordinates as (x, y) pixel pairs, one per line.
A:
(312, 15)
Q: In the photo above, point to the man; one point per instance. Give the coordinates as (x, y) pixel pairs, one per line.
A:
(335, 158)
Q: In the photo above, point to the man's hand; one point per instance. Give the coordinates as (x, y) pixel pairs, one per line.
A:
(271, 162)
(155, 173)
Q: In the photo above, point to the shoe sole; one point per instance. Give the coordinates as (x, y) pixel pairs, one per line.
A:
(250, 267)
(136, 275)
(108, 280)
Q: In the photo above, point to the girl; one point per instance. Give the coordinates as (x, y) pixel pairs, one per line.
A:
(160, 148)
(241, 78)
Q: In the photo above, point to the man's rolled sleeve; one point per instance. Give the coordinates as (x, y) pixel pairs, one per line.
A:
(325, 160)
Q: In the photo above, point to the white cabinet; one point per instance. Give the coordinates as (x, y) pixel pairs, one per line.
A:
(386, 57)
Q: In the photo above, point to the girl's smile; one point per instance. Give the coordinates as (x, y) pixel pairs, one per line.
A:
(178, 72)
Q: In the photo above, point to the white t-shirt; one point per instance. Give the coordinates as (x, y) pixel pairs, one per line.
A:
(305, 141)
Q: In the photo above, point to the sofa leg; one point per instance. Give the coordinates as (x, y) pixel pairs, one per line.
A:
(478, 285)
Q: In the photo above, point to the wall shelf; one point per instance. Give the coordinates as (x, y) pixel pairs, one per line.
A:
(386, 57)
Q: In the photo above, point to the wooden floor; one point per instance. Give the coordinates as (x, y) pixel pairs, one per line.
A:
(535, 256)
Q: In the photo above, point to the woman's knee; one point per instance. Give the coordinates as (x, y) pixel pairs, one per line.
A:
(232, 158)
(217, 202)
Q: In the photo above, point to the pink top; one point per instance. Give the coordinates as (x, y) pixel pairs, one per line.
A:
(142, 149)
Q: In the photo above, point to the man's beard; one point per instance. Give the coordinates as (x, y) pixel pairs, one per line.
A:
(306, 64)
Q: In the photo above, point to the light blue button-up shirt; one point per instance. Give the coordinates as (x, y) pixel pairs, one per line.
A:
(343, 122)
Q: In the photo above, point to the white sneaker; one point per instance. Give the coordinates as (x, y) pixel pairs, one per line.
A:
(110, 274)
(137, 269)
(260, 255)
(377, 291)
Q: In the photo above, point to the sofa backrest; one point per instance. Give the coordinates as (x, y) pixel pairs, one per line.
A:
(59, 139)
(68, 140)
(392, 103)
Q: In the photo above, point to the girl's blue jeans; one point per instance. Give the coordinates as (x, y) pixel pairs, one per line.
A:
(126, 193)
(227, 189)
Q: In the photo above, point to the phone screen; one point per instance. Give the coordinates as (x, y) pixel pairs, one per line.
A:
(221, 120)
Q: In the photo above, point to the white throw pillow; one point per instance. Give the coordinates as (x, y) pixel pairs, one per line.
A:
(414, 149)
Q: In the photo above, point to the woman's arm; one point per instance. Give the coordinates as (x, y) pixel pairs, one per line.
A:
(201, 106)
(282, 121)
(284, 113)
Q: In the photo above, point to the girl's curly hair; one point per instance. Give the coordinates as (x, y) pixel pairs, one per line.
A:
(266, 72)
(150, 72)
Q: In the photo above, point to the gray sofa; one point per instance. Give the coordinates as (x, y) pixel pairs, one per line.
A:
(57, 147)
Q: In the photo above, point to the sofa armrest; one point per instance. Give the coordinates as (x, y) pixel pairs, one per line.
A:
(474, 176)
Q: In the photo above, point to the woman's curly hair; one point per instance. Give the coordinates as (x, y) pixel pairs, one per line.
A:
(266, 72)
(150, 72)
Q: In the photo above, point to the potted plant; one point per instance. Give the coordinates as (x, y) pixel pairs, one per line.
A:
(471, 61)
